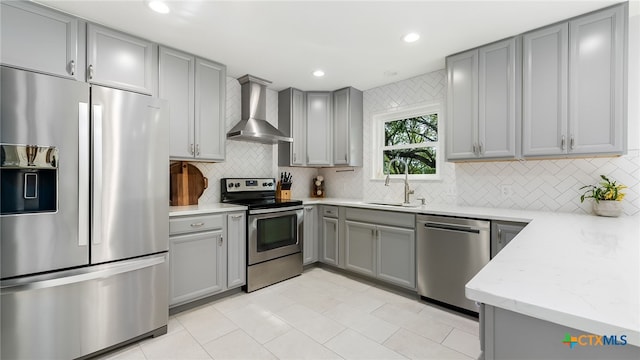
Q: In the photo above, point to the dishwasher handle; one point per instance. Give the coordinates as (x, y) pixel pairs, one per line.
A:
(452, 227)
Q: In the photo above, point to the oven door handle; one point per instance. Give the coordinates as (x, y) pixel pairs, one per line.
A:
(275, 210)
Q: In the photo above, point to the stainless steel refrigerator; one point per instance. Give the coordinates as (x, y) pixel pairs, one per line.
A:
(84, 221)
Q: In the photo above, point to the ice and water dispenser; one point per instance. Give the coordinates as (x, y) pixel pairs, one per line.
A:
(29, 179)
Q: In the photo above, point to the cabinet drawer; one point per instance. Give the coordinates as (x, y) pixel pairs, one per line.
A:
(381, 217)
(187, 224)
(330, 211)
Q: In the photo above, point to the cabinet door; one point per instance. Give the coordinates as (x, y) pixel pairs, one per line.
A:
(360, 247)
(176, 84)
(310, 245)
(319, 128)
(544, 91)
(298, 128)
(341, 128)
(462, 105)
(236, 250)
(497, 100)
(195, 266)
(39, 39)
(119, 60)
(502, 233)
(210, 135)
(330, 241)
(596, 67)
(396, 262)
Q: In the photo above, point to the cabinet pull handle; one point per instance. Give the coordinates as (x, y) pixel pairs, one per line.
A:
(474, 148)
(192, 149)
(236, 216)
(562, 143)
(294, 157)
(480, 152)
(90, 72)
(220, 241)
(499, 236)
(195, 225)
(571, 142)
(197, 149)
(345, 157)
(72, 67)
(309, 208)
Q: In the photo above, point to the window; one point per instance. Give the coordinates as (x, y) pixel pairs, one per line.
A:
(411, 136)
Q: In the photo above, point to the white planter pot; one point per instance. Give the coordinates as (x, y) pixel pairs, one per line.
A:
(609, 208)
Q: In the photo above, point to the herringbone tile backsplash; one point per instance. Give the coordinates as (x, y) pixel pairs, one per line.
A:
(550, 185)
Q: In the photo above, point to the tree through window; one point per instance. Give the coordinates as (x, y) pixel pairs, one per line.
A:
(414, 140)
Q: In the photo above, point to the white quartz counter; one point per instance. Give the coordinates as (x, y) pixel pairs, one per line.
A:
(204, 209)
(580, 271)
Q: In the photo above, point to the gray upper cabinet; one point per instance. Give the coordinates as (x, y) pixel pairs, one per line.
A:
(596, 82)
(39, 39)
(292, 119)
(497, 100)
(195, 89)
(462, 105)
(120, 60)
(573, 86)
(347, 127)
(210, 135)
(319, 128)
(544, 91)
(482, 103)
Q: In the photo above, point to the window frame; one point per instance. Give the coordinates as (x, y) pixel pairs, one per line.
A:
(378, 147)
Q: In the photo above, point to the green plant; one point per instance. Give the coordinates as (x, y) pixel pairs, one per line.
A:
(606, 190)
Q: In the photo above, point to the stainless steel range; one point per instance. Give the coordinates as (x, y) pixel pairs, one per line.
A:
(274, 230)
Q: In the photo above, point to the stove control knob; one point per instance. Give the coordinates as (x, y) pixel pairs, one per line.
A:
(270, 184)
(264, 184)
(230, 185)
(237, 184)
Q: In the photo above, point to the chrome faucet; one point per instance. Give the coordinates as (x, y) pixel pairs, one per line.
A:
(407, 191)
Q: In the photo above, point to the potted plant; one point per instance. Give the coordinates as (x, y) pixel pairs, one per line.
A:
(607, 197)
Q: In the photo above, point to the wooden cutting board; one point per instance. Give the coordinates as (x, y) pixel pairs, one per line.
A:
(187, 184)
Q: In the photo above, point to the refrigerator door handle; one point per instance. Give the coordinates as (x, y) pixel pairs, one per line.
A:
(82, 275)
(96, 193)
(83, 174)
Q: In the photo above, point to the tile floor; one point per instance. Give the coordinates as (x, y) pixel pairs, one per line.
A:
(318, 315)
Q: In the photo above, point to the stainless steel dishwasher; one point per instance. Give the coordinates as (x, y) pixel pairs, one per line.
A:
(450, 251)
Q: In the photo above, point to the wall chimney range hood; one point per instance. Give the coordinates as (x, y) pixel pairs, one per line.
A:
(253, 125)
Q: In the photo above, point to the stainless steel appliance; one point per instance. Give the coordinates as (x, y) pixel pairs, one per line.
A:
(84, 221)
(274, 230)
(450, 251)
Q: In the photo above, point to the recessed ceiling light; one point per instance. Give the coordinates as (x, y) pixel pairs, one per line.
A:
(411, 37)
(159, 6)
(318, 73)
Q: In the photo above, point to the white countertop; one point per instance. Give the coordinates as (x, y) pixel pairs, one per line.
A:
(580, 271)
(204, 209)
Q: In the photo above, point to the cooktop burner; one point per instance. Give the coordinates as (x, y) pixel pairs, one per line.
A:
(255, 193)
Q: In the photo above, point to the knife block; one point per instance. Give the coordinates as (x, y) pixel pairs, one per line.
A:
(281, 193)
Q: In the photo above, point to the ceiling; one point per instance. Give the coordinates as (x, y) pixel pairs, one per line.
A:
(356, 43)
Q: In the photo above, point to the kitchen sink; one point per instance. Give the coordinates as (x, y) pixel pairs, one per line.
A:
(388, 203)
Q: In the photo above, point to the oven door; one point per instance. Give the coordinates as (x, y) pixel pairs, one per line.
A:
(273, 233)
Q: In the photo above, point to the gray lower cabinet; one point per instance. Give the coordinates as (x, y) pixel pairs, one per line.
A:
(310, 235)
(505, 334)
(40, 39)
(122, 61)
(502, 232)
(195, 89)
(381, 244)
(207, 255)
(330, 236)
(236, 249)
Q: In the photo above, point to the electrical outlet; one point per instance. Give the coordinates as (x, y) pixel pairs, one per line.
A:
(506, 191)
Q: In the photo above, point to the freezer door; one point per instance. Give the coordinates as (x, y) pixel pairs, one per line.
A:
(130, 175)
(69, 314)
(46, 111)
